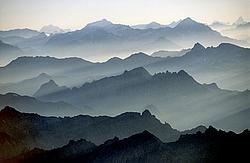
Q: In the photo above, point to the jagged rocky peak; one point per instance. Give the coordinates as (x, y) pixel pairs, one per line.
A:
(198, 47)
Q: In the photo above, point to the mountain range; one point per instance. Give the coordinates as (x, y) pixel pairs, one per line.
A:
(27, 86)
(32, 105)
(103, 39)
(227, 65)
(106, 37)
(210, 146)
(168, 92)
(48, 88)
(33, 130)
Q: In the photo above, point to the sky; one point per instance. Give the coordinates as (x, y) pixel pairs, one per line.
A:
(75, 14)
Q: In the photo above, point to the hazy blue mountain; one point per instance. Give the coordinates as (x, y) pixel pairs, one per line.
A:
(52, 132)
(152, 25)
(12, 40)
(175, 95)
(25, 33)
(8, 52)
(73, 71)
(28, 67)
(227, 65)
(211, 146)
(166, 53)
(32, 105)
(34, 42)
(47, 88)
(51, 29)
(224, 64)
(25, 87)
(102, 37)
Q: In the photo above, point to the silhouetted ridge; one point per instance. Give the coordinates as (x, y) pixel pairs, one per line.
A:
(8, 111)
(138, 56)
(228, 45)
(137, 72)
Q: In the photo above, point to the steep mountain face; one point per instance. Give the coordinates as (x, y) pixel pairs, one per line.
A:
(227, 65)
(48, 88)
(31, 105)
(175, 95)
(25, 87)
(52, 132)
(211, 146)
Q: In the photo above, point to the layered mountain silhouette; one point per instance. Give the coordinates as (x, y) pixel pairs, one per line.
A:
(177, 93)
(8, 52)
(25, 87)
(48, 88)
(33, 130)
(226, 64)
(165, 53)
(25, 33)
(32, 105)
(210, 146)
(28, 67)
(104, 37)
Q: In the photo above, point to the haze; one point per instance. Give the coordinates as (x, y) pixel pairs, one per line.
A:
(74, 14)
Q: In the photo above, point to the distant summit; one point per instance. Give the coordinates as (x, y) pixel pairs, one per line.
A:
(152, 25)
(100, 23)
(240, 21)
(51, 29)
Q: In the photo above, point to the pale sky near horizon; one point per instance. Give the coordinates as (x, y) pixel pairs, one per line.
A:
(75, 14)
